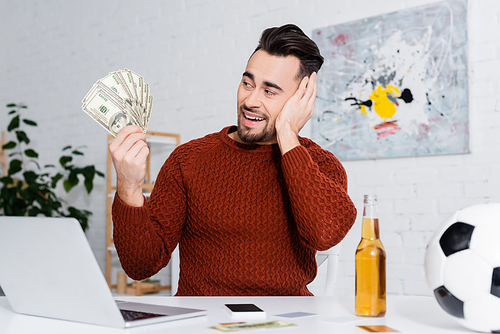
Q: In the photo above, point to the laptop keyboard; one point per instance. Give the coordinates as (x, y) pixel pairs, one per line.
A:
(136, 315)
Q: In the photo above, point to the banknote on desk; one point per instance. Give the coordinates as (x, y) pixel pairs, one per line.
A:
(119, 99)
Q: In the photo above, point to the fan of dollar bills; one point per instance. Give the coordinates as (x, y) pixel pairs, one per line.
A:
(119, 99)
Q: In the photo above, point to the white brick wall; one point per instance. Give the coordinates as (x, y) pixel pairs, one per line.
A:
(192, 53)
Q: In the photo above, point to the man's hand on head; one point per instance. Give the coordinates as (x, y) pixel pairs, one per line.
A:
(295, 114)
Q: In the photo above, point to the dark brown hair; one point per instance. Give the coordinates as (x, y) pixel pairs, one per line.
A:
(290, 40)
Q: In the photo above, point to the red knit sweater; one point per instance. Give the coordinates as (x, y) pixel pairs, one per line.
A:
(248, 221)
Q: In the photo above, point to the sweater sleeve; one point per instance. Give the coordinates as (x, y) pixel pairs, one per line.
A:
(145, 237)
(317, 188)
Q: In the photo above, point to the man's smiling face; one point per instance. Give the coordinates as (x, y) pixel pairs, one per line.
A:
(267, 83)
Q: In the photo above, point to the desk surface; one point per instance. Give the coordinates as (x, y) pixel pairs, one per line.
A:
(405, 314)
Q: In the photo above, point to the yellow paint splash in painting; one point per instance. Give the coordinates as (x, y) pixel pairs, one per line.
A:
(384, 107)
(363, 109)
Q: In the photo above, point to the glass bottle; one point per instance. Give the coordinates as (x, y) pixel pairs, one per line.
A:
(370, 264)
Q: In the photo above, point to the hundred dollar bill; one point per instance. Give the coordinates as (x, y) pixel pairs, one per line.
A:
(140, 89)
(252, 325)
(119, 99)
(148, 101)
(131, 92)
(110, 93)
(109, 114)
(127, 78)
(137, 81)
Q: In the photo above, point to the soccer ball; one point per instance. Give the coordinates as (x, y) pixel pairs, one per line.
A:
(462, 266)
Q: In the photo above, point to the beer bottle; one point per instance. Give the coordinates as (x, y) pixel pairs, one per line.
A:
(370, 264)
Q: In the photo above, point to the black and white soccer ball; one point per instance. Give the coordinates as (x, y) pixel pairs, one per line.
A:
(462, 266)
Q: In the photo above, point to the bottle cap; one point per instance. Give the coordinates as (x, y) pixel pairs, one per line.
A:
(370, 199)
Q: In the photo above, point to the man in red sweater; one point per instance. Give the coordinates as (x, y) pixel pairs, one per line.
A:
(250, 205)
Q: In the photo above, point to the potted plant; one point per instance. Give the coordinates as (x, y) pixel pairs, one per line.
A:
(29, 189)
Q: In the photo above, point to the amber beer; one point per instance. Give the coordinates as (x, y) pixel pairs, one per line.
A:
(370, 265)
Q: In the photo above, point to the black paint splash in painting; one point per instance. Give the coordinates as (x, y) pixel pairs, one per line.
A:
(406, 95)
(357, 102)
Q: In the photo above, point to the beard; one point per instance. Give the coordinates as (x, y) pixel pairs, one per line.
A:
(246, 135)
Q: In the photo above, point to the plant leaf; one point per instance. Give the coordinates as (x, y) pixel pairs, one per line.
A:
(56, 179)
(68, 185)
(6, 180)
(14, 124)
(33, 211)
(9, 145)
(89, 185)
(66, 148)
(29, 122)
(22, 137)
(30, 177)
(31, 153)
(11, 105)
(77, 152)
(89, 173)
(49, 166)
(72, 180)
(12, 112)
(65, 159)
(73, 175)
(15, 166)
(80, 215)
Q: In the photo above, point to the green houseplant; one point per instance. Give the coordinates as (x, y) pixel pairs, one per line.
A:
(29, 189)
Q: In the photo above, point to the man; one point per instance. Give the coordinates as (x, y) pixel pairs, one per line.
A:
(249, 206)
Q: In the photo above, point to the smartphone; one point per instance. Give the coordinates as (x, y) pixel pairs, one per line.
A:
(245, 311)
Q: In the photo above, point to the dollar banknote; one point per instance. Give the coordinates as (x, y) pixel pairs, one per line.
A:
(252, 325)
(119, 99)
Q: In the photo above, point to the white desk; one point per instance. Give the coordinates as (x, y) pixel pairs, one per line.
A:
(405, 314)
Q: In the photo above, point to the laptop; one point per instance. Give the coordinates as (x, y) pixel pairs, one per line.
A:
(48, 269)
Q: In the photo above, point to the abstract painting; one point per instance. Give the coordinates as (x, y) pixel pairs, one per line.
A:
(395, 85)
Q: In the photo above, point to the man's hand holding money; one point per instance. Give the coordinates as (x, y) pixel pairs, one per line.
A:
(121, 103)
(129, 152)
